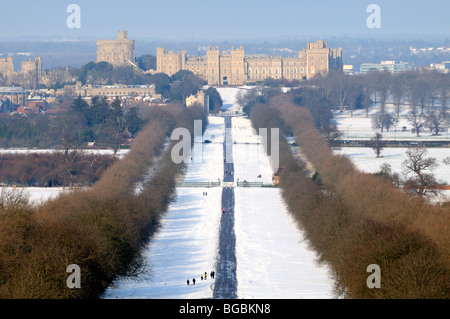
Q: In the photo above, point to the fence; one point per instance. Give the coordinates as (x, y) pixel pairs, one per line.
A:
(207, 184)
(249, 184)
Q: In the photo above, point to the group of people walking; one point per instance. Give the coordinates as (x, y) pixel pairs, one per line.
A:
(202, 277)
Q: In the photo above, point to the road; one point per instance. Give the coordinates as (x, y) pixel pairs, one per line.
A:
(226, 282)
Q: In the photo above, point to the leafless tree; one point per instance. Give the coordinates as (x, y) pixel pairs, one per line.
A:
(435, 121)
(423, 181)
(377, 143)
(415, 118)
(384, 120)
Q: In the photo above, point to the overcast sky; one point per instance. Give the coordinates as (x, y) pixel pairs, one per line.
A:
(223, 19)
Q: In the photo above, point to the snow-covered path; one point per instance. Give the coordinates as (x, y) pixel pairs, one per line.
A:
(186, 245)
(273, 260)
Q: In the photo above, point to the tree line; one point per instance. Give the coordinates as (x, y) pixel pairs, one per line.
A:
(107, 124)
(101, 229)
(353, 219)
(53, 169)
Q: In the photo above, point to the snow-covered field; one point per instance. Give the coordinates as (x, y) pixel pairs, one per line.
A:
(359, 126)
(37, 195)
(365, 159)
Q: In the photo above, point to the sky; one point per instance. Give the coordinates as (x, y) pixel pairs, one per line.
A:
(222, 19)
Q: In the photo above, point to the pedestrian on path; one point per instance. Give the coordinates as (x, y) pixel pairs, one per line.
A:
(223, 210)
(205, 275)
(188, 282)
(212, 274)
(193, 281)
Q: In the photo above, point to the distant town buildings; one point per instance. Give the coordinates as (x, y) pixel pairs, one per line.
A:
(235, 68)
(443, 67)
(10, 97)
(427, 50)
(110, 91)
(391, 66)
(31, 74)
(119, 52)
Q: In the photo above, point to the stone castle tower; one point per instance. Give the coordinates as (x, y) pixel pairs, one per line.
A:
(118, 52)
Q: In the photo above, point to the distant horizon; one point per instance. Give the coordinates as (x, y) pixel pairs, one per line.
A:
(113, 35)
(202, 20)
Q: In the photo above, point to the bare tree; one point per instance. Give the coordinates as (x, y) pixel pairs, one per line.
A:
(423, 181)
(384, 120)
(377, 143)
(416, 120)
(435, 121)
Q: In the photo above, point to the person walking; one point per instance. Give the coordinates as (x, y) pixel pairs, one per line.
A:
(205, 275)
(187, 282)
(193, 281)
(212, 274)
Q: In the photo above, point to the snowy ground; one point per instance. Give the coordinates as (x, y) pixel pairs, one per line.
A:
(250, 159)
(365, 160)
(186, 246)
(359, 126)
(273, 260)
(37, 195)
(120, 153)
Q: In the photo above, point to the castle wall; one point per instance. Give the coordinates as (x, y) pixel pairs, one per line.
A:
(234, 68)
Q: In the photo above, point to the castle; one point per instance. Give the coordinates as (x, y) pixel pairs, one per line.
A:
(231, 67)
(235, 68)
(118, 52)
